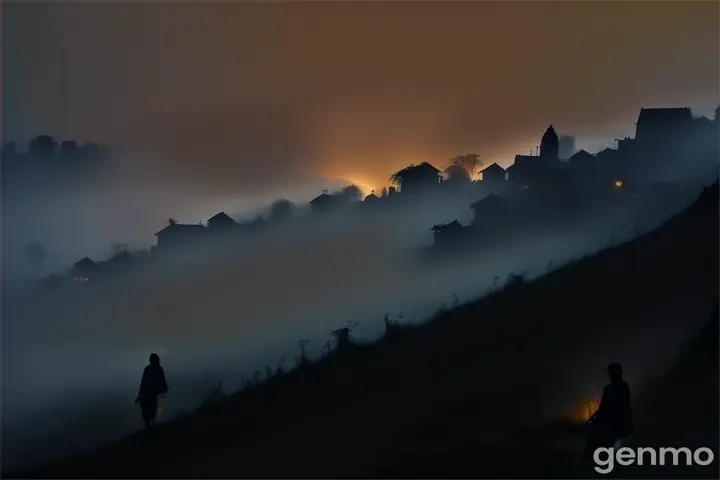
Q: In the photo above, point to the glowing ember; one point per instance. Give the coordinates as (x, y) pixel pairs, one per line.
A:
(586, 410)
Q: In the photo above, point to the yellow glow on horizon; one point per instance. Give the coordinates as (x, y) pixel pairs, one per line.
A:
(365, 186)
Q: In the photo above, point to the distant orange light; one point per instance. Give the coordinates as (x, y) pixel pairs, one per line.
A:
(618, 183)
(587, 409)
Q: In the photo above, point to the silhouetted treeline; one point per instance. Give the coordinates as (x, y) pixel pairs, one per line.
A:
(45, 156)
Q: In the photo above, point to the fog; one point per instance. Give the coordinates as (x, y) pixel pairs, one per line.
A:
(72, 358)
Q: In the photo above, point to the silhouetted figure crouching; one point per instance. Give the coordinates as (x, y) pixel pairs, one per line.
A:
(613, 419)
(152, 385)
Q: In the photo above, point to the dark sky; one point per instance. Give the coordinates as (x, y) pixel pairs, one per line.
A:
(272, 91)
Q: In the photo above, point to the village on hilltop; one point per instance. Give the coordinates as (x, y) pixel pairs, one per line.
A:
(534, 189)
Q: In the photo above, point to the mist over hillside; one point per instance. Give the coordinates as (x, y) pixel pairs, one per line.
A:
(218, 313)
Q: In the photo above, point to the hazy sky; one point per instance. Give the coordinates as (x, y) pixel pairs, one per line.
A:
(256, 92)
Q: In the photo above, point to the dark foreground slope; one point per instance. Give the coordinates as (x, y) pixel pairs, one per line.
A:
(467, 394)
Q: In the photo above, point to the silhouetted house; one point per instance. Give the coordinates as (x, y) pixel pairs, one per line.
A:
(418, 178)
(662, 125)
(493, 174)
(83, 269)
(582, 160)
(607, 154)
(322, 202)
(447, 234)
(531, 170)
(371, 199)
(489, 211)
(626, 146)
(119, 262)
(521, 172)
(177, 234)
(221, 221)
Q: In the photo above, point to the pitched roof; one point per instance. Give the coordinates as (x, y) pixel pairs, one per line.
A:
(606, 151)
(371, 198)
(426, 165)
(493, 167)
(488, 202)
(84, 262)
(221, 217)
(177, 226)
(322, 198)
(664, 115)
(420, 167)
(582, 155)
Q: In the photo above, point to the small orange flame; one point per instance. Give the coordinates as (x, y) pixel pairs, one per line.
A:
(587, 409)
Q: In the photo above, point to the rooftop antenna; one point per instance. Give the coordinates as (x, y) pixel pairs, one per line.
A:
(537, 150)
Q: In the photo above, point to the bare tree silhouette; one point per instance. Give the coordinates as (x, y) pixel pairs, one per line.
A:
(351, 192)
(464, 166)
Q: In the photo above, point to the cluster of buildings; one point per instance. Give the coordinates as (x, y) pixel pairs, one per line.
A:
(663, 136)
(670, 146)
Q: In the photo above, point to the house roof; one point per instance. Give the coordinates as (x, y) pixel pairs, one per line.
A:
(371, 198)
(493, 167)
(488, 202)
(179, 226)
(454, 225)
(664, 116)
(582, 155)
(221, 217)
(84, 262)
(526, 160)
(322, 198)
(418, 168)
(427, 166)
(606, 151)
(703, 121)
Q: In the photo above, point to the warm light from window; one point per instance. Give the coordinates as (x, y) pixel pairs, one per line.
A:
(618, 183)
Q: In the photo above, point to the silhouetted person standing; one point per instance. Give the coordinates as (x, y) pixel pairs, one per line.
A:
(151, 386)
(613, 419)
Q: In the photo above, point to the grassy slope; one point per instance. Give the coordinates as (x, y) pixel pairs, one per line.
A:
(415, 406)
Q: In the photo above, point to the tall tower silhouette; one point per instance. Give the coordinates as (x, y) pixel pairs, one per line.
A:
(549, 145)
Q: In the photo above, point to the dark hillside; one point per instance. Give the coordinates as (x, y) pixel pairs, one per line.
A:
(450, 397)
